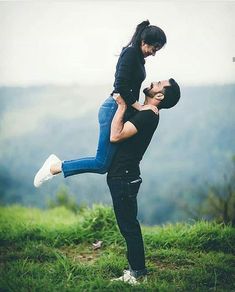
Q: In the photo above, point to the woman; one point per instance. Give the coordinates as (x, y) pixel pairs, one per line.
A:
(130, 73)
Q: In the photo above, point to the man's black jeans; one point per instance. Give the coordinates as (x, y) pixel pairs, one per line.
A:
(124, 195)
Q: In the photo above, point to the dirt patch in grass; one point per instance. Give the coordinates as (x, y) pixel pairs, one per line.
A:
(80, 253)
(170, 266)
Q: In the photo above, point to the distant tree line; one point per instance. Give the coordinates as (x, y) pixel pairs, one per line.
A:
(218, 203)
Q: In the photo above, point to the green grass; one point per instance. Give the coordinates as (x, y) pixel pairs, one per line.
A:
(52, 251)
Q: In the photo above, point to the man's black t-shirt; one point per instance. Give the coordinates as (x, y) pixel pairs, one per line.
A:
(130, 152)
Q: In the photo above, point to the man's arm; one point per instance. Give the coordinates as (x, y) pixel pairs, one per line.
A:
(119, 130)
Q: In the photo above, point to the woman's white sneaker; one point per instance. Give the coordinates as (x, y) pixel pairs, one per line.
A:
(44, 172)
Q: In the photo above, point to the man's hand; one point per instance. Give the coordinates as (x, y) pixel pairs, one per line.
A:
(149, 107)
(119, 130)
(120, 101)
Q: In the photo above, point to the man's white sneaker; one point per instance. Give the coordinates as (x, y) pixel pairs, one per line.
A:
(127, 278)
(44, 172)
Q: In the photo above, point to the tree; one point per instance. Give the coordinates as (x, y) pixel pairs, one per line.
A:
(63, 198)
(219, 202)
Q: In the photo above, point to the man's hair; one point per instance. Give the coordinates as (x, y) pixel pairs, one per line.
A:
(171, 95)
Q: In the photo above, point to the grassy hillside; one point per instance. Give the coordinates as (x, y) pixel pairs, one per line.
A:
(52, 251)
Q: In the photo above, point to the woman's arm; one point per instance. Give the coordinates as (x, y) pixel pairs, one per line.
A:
(124, 73)
(125, 69)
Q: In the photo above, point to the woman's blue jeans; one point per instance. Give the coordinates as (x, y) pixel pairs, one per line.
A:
(105, 150)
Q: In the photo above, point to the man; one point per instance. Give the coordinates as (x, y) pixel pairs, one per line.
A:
(124, 174)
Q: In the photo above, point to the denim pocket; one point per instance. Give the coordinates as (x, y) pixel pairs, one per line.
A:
(133, 187)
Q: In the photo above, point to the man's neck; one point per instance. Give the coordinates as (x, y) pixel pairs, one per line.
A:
(153, 101)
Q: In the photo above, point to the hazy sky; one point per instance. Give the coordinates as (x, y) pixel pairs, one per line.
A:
(78, 42)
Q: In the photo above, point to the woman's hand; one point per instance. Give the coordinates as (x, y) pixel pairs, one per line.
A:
(149, 107)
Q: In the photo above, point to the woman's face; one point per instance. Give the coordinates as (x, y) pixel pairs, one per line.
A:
(148, 50)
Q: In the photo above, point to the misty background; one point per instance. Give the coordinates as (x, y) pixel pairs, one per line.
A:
(57, 65)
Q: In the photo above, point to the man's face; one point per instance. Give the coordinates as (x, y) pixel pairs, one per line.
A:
(156, 87)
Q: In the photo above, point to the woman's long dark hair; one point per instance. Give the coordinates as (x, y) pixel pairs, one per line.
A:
(150, 34)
